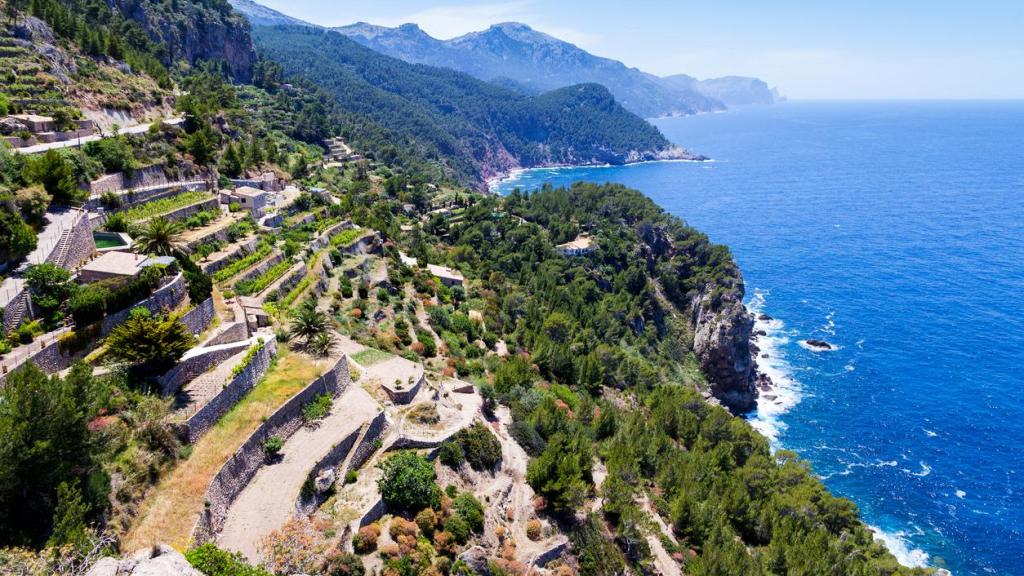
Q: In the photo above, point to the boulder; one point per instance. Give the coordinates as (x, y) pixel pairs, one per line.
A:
(476, 558)
(159, 560)
(10, 126)
(324, 480)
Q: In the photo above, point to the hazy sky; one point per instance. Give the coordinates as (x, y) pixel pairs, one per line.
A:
(809, 49)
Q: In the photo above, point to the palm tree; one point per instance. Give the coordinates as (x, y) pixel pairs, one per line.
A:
(308, 322)
(161, 237)
(321, 344)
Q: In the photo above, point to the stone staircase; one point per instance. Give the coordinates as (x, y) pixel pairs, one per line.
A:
(63, 245)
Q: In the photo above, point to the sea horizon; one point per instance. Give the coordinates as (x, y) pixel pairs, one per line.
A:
(834, 195)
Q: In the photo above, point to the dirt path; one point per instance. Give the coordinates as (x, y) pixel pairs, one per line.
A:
(663, 562)
(269, 499)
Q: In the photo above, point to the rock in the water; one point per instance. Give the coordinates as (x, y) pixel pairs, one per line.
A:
(818, 344)
(761, 333)
(764, 317)
(160, 560)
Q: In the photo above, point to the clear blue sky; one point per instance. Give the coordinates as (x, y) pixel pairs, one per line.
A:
(809, 49)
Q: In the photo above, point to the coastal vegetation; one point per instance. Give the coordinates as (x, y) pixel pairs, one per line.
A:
(586, 360)
(458, 120)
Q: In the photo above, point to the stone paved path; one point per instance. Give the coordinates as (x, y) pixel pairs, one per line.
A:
(269, 499)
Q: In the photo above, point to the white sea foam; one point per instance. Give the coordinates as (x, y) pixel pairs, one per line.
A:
(960, 494)
(767, 418)
(901, 548)
(929, 433)
(925, 470)
(786, 391)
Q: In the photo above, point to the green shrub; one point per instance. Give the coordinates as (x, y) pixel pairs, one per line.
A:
(469, 509)
(89, 304)
(451, 454)
(482, 450)
(407, 483)
(213, 561)
(343, 564)
(458, 527)
(317, 409)
(427, 340)
(273, 445)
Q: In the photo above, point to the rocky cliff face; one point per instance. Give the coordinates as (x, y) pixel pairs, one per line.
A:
(195, 31)
(722, 344)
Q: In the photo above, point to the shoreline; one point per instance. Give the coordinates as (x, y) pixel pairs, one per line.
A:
(778, 392)
(515, 174)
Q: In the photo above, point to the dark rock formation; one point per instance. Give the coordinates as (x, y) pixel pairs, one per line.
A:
(722, 344)
(194, 31)
(818, 344)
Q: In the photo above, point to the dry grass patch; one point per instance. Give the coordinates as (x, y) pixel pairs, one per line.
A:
(170, 510)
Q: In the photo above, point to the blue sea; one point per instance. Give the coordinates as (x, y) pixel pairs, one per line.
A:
(894, 231)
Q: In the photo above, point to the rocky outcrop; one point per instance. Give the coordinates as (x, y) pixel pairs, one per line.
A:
(196, 31)
(722, 329)
(159, 560)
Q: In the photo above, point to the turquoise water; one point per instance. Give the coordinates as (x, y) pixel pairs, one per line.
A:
(896, 232)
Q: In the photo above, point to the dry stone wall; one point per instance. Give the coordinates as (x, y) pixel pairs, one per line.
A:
(240, 469)
(244, 381)
(199, 319)
(192, 367)
(239, 251)
(167, 297)
(80, 246)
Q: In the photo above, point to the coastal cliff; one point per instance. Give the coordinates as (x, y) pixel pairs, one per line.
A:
(721, 342)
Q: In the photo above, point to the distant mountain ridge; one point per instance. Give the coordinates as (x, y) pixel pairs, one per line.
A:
(479, 129)
(535, 61)
(515, 56)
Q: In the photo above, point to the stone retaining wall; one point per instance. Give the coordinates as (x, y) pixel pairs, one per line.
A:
(404, 396)
(167, 297)
(48, 357)
(244, 248)
(80, 246)
(366, 245)
(230, 332)
(118, 182)
(244, 381)
(192, 367)
(21, 302)
(331, 461)
(240, 469)
(324, 240)
(183, 213)
(368, 445)
(283, 285)
(201, 317)
(275, 257)
(135, 197)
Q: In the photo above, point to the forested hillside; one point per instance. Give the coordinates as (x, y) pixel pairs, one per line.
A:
(480, 128)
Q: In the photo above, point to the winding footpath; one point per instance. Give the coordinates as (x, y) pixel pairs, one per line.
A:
(270, 498)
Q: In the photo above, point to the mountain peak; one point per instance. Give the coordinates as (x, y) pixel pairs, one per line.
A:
(512, 26)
